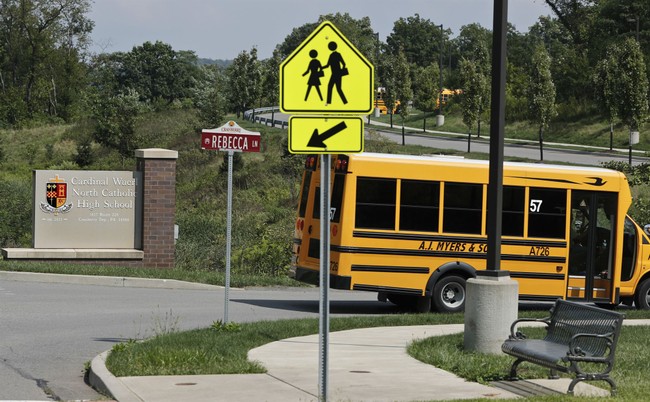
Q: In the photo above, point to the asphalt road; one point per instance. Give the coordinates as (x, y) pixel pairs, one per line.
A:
(48, 331)
(442, 140)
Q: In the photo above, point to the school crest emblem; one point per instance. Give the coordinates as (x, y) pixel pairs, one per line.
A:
(56, 195)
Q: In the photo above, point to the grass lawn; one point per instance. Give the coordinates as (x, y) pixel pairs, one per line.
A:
(586, 131)
(222, 349)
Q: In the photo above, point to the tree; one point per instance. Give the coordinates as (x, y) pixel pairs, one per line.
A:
(210, 97)
(115, 118)
(244, 81)
(541, 93)
(569, 63)
(473, 84)
(41, 46)
(425, 89)
(158, 73)
(472, 37)
(606, 93)
(577, 16)
(474, 72)
(419, 39)
(397, 81)
(629, 78)
(271, 82)
(359, 33)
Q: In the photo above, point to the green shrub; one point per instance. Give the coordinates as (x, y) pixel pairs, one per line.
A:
(15, 214)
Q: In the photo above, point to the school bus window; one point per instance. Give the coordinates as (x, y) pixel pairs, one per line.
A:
(316, 209)
(419, 205)
(304, 194)
(375, 204)
(514, 199)
(547, 213)
(337, 197)
(462, 208)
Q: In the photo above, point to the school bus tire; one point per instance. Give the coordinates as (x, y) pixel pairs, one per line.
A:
(449, 294)
(642, 297)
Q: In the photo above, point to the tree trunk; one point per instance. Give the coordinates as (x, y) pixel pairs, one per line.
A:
(541, 143)
(469, 141)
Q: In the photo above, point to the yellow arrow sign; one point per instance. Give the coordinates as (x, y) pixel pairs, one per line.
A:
(325, 135)
(326, 74)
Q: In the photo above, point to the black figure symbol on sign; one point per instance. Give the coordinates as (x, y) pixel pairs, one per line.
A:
(315, 71)
(338, 69)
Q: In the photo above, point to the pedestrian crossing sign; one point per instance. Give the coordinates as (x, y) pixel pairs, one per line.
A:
(326, 74)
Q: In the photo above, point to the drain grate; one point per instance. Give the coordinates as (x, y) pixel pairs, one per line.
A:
(524, 388)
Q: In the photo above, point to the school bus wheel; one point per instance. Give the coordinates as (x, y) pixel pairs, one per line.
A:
(449, 294)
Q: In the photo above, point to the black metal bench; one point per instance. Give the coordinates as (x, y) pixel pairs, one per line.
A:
(579, 339)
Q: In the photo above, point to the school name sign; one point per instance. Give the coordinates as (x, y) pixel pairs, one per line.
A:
(86, 209)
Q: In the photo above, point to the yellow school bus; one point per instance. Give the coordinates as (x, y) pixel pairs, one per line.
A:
(413, 229)
(381, 104)
(446, 94)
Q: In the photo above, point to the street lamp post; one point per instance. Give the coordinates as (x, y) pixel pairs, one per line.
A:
(440, 119)
(634, 135)
(377, 113)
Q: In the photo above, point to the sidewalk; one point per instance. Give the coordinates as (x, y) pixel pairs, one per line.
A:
(369, 364)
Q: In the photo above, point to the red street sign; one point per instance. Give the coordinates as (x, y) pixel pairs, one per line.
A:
(230, 137)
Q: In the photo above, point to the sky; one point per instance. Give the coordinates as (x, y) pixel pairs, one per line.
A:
(221, 29)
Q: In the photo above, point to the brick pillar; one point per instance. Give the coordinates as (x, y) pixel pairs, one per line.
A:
(158, 168)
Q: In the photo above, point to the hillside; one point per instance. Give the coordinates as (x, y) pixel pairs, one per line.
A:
(266, 186)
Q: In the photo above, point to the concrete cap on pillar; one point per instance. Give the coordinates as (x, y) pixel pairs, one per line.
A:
(156, 153)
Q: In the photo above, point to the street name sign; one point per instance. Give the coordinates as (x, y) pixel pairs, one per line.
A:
(325, 134)
(326, 74)
(230, 137)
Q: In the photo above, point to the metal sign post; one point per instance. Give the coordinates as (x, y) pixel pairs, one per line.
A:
(324, 323)
(232, 138)
(228, 237)
(326, 126)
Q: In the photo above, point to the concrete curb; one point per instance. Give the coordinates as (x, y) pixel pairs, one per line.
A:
(105, 281)
(105, 382)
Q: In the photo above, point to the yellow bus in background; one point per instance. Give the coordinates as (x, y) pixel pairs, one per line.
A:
(380, 103)
(413, 229)
(446, 94)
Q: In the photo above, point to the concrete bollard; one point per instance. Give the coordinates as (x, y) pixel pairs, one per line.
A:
(490, 308)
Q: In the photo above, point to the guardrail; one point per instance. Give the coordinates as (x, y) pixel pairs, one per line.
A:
(254, 116)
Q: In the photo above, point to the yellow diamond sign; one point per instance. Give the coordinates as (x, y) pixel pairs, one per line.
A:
(326, 74)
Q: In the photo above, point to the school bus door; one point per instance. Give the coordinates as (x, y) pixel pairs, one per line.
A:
(591, 246)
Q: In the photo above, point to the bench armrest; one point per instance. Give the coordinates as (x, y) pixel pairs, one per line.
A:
(514, 334)
(576, 351)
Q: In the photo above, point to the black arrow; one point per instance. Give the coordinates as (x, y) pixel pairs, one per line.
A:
(317, 141)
